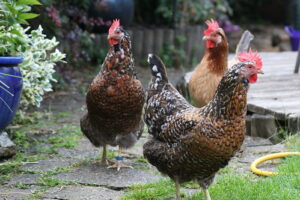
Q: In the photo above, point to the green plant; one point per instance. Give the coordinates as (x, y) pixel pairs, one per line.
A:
(193, 11)
(38, 52)
(38, 66)
(13, 13)
(70, 22)
(163, 189)
(17, 12)
(174, 55)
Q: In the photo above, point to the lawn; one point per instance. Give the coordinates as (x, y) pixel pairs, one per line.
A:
(230, 186)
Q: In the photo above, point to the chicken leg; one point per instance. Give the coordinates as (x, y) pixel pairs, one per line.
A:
(177, 186)
(206, 192)
(104, 160)
(118, 164)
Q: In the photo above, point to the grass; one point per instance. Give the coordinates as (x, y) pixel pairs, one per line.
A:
(230, 186)
(33, 134)
(11, 167)
(153, 191)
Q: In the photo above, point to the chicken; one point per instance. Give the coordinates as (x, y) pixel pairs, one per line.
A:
(188, 143)
(115, 99)
(203, 81)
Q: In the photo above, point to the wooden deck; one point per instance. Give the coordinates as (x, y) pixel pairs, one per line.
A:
(277, 92)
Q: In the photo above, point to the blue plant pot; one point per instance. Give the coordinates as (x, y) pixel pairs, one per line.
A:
(10, 88)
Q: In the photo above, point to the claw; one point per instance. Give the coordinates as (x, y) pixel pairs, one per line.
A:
(118, 165)
(107, 162)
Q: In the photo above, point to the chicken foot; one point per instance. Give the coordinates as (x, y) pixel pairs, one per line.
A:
(118, 164)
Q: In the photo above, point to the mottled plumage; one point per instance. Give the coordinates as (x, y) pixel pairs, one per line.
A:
(191, 143)
(115, 99)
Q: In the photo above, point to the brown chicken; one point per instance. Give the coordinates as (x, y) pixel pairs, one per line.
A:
(205, 78)
(115, 99)
(190, 143)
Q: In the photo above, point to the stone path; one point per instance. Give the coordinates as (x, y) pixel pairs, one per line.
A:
(78, 174)
(90, 180)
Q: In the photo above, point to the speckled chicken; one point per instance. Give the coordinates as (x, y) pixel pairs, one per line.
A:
(189, 143)
(115, 99)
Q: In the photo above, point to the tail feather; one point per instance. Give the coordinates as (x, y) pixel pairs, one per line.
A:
(244, 42)
(158, 68)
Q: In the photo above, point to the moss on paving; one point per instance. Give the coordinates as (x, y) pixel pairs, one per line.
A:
(35, 130)
(47, 130)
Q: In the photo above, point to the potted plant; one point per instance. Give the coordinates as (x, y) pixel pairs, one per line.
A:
(12, 14)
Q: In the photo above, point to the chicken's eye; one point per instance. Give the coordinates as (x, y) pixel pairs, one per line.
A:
(118, 32)
(250, 66)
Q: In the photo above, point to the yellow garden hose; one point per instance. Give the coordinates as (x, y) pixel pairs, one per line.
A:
(269, 157)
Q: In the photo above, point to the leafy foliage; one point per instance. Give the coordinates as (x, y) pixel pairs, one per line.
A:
(70, 23)
(17, 12)
(178, 12)
(174, 56)
(13, 13)
(38, 66)
(38, 52)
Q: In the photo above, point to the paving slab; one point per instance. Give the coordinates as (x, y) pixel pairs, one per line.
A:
(79, 153)
(81, 193)
(89, 151)
(49, 164)
(254, 148)
(7, 193)
(265, 149)
(96, 174)
(25, 179)
(256, 141)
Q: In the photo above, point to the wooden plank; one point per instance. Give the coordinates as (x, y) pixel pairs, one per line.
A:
(137, 44)
(278, 91)
(201, 43)
(158, 40)
(195, 46)
(169, 35)
(147, 43)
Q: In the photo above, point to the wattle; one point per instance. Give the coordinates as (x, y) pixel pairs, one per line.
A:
(210, 44)
(113, 42)
(253, 78)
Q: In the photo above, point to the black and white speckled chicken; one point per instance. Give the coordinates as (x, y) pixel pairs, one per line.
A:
(115, 99)
(189, 143)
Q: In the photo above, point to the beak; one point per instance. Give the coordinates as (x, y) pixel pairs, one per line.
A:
(109, 37)
(205, 37)
(113, 37)
(260, 71)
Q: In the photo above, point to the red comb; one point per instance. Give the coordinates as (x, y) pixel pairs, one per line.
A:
(114, 25)
(212, 26)
(250, 56)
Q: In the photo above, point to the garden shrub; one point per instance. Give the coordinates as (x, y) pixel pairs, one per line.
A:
(40, 57)
(39, 53)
